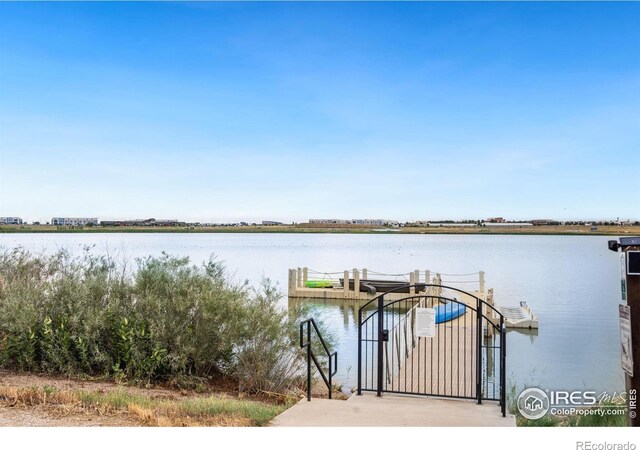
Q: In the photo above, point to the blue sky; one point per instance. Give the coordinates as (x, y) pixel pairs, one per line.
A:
(290, 111)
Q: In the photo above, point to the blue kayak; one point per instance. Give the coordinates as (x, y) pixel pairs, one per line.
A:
(449, 311)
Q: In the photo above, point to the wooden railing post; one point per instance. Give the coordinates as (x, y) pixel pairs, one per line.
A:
(356, 283)
(412, 282)
(345, 285)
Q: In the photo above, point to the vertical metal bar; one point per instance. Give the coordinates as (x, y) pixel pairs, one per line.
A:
(402, 319)
(330, 376)
(431, 355)
(359, 351)
(412, 349)
(479, 352)
(366, 354)
(503, 364)
(458, 353)
(386, 355)
(380, 342)
(308, 362)
(439, 334)
(464, 357)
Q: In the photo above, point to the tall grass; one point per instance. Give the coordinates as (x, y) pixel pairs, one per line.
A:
(164, 319)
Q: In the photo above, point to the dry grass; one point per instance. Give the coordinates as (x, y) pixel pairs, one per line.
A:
(144, 410)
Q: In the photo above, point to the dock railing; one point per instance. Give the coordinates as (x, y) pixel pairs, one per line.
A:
(298, 277)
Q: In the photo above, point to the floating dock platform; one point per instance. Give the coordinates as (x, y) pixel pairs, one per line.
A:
(520, 316)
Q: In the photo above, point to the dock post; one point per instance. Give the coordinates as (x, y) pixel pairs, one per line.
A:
(437, 280)
(481, 273)
(345, 284)
(292, 284)
(305, 275)
(412, 282)
(356, 284)
(364, 274)
(299, 277)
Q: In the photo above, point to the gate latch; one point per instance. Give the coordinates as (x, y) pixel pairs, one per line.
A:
(385, 335)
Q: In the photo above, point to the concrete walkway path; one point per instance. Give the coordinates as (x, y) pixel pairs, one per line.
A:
(392, 411)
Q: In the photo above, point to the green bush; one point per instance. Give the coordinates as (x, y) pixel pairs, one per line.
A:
(164, 320)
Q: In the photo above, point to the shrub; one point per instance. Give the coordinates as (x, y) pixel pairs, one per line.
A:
(166, 320)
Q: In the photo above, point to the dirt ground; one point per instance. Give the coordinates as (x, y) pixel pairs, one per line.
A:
(15, 379)
(24, 402)
(45, 416)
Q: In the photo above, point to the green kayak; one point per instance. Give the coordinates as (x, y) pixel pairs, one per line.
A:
(318, 283)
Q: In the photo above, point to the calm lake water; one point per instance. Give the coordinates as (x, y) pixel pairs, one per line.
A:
(571, 283)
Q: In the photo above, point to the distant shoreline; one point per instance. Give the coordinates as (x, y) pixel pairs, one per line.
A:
(571, 230)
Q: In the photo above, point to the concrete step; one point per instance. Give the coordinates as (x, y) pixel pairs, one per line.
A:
(392, 411)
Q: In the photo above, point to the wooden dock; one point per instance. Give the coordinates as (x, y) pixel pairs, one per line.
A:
(474, 283)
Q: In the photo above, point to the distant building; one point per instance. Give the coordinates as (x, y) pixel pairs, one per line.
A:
(330, 221)
(142, 223)
(539, 222)
(495, 220)
(10, 220)
(508, 224)
(74, 221)
(368, 222)
(452, 224)
(271, 222)
(374, 222)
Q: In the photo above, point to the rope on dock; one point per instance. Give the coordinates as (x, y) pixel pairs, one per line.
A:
(404, 276)
(459, 274)
(388, 274)
(460, 281)
(326, 273)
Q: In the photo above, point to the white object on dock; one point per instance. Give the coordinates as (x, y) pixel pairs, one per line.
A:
(519, 317)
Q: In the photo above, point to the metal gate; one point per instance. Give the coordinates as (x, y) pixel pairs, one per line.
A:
(465, 358)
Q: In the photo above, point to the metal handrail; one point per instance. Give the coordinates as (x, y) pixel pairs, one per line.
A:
(332, 357)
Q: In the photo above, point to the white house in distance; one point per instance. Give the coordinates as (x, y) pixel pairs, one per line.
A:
(10, 220)
(74, 221)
